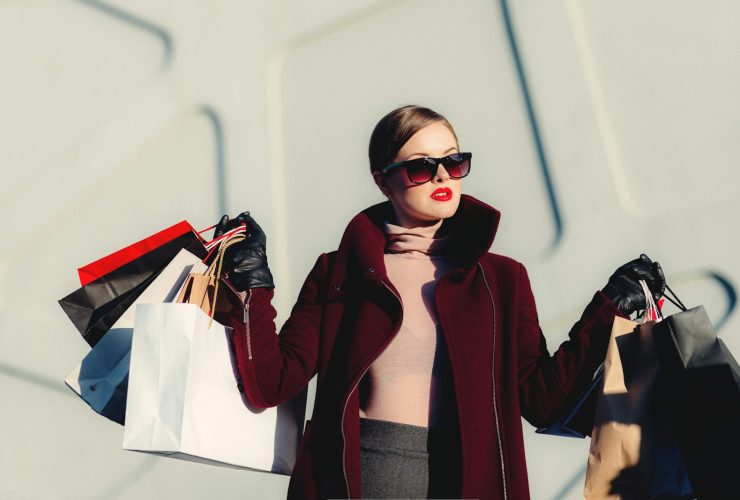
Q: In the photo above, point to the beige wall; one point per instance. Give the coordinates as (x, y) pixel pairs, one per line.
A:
(122, 117)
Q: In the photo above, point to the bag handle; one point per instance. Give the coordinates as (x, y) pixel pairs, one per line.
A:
(214, 269)
(207, 229)
(242, 229)
(677, 302)
(213, 273)
(650, 302)
(213, 245)
(652, 312)
(217, 265)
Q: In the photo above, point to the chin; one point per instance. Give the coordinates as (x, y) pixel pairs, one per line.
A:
(449, 208)
(443, 211)
(423, 211)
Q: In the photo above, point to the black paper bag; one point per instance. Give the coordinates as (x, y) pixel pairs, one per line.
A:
(577, 419)
(95, 307)
(700, 391)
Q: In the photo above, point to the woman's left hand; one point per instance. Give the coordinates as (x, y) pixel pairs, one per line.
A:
(624, 289)
(246, 261)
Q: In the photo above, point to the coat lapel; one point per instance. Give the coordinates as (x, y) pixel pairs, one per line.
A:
(372, 304)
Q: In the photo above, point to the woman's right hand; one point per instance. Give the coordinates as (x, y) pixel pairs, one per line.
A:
(245, 262)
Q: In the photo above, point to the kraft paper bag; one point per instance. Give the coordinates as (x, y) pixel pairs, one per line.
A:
(618, 460)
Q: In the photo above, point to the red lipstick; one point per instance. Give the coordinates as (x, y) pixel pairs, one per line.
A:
(441, 194)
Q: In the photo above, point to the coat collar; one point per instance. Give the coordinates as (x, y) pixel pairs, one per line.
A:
(363, 243)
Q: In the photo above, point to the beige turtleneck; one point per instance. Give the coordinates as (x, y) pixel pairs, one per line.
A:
(410, 382)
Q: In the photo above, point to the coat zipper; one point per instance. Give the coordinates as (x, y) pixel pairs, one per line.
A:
(344, 410)
(246, 323)
(493, 379)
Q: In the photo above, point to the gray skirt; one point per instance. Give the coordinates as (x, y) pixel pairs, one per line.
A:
(408, 461)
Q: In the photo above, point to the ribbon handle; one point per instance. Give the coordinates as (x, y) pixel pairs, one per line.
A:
(197, 286)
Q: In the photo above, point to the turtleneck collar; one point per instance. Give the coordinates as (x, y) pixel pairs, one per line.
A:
(363, 241)
(416, 241)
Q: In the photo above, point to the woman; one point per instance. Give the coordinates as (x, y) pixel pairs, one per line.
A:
(427, 346)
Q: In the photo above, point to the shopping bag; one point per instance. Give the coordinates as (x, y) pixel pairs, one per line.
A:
(101, 267)
(101, 379)
(184, 399)
(701, 396)
(632, 453)
(95, 307)
(576, 420)
(202, 289)
(614, 468)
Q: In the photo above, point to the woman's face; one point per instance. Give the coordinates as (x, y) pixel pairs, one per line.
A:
(419, 205)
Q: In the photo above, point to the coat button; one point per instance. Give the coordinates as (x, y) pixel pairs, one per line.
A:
(337, 288)
(371, 269)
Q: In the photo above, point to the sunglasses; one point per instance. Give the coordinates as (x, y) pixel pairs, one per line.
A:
(421, 170)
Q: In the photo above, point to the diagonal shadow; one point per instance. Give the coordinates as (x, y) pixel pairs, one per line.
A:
(138, 22)
(34, 378)
(534, 126)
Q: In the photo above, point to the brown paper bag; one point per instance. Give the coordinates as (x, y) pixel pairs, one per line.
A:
(203, 289)
(619, 459)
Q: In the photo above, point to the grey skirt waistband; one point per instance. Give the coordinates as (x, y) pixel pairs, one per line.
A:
(385, 434)
(408, 461)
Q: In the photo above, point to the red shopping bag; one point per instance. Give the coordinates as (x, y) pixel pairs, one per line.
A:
(105, 265)
(101, 267)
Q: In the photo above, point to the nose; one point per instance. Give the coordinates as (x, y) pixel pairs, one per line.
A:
(441, 174)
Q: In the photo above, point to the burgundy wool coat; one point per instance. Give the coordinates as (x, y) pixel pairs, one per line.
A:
(348, 311)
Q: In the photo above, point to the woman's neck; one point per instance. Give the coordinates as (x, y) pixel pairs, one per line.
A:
(415, 223)
(426, 240)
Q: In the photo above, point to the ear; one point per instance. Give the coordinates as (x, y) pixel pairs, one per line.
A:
(382, 182)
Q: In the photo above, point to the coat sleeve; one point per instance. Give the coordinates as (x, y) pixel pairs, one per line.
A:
(546, 383)
(275, 367)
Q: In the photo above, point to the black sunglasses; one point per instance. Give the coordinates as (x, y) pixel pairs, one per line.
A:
(421, 170)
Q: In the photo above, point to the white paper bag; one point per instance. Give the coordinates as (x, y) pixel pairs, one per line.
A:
(100, 378)
(183, 399)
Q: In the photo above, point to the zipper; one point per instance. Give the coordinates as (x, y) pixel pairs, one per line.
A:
(246, 323)
(493, 379)
(344, 410)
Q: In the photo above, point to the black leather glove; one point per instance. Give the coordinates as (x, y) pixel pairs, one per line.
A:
(624, 289)
(245, 262)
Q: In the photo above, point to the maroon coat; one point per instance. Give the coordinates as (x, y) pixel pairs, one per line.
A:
(348, 311)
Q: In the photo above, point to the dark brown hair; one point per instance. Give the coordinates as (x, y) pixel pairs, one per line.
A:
(397, 127)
